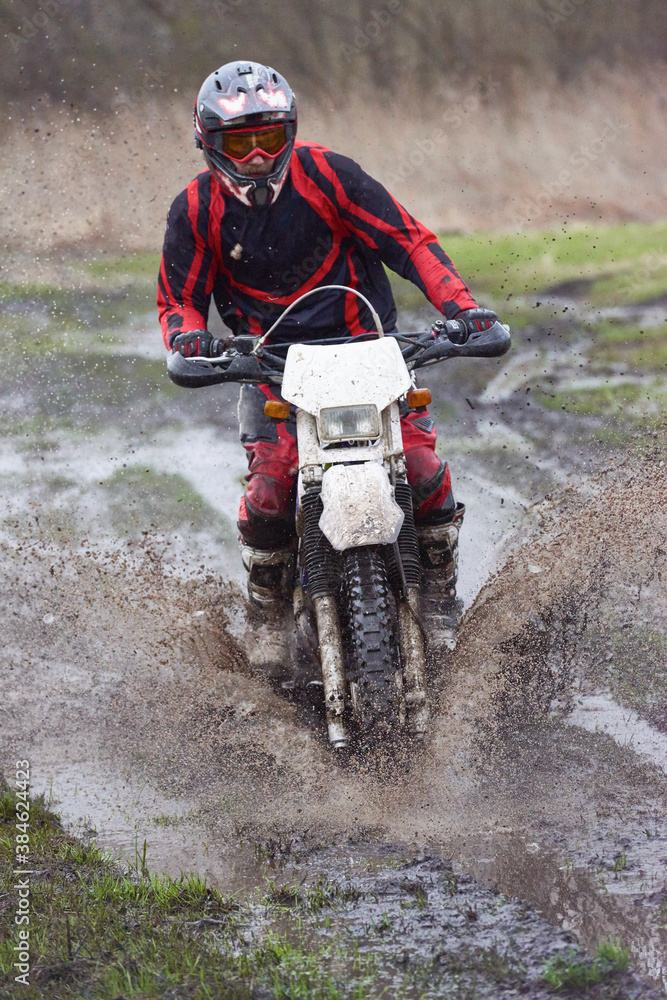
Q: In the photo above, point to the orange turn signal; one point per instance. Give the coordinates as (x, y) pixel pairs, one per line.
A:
(418, 397)
(277, 409)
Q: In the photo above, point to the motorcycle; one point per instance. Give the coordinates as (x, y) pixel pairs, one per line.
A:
(358, 573)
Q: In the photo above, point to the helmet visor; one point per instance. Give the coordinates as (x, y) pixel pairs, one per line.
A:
(241, 144)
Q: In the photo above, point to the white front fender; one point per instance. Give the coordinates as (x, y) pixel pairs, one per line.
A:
(359, 508)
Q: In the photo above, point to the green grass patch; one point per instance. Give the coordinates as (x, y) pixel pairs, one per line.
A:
(566, 972)
(102, 930)
(99, 930)
(618, 264)
(86, 392)
(42, 313)
(603, 400)
(605, 265)
(631, 401)
(630, 346)
(646, 281)
(295, 971)
(312, 898)
(15, 294)
(135, 266)
(139, 497)
(615, 332)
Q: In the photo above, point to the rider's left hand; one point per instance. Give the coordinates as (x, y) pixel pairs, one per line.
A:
(192, 344)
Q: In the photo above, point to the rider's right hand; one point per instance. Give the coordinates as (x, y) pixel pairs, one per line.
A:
(192, 344)
(476, 320)
(467, 321)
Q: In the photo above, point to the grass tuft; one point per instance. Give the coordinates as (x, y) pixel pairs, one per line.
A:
(567, 971)
(99, 930)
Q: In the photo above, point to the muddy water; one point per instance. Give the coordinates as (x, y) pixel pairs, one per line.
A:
(131, 680)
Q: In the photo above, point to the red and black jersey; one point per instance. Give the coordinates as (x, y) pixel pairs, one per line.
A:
(332, 224)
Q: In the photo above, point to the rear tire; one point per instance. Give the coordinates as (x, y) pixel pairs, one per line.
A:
(372, 652)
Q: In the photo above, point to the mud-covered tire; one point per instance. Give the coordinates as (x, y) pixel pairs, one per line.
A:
(371, 649)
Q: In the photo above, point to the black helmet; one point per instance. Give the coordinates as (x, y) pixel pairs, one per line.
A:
(252, 99)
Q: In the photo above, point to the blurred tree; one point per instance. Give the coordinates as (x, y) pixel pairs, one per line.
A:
(87, 52)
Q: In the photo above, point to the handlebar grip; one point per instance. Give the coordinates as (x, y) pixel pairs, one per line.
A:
(489, 343)
(191, 374)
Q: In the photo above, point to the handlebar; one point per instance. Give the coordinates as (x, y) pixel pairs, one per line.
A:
(251, 362)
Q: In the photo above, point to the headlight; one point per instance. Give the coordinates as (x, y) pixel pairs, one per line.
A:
(344, 423)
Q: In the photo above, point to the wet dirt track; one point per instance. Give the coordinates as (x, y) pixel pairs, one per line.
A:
(130, 674)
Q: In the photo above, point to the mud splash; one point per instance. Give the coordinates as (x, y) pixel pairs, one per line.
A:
(132, 689)
(131, 679)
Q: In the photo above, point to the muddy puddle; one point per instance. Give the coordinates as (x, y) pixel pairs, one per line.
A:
(131, 676)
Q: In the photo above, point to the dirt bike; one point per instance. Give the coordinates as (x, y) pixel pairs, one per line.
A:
(358, 573)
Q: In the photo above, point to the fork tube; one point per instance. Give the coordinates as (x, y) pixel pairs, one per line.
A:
(333, 669)
(413, 655)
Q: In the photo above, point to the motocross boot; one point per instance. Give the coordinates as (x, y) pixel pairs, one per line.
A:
(269, 636)
(270, 574)
(439, 550)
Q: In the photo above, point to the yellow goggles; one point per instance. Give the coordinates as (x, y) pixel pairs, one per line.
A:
(241, 144)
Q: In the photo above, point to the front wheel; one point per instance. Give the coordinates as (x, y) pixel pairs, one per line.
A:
(372, 658)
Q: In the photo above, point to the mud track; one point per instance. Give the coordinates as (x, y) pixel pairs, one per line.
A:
(131, 678)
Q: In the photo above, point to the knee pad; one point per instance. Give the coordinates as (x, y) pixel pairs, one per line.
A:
(433, 498)
(264, 531)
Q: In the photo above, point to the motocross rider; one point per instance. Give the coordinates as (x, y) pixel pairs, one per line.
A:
(268, 219)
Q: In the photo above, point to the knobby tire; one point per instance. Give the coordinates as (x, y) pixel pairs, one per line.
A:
(372, 655)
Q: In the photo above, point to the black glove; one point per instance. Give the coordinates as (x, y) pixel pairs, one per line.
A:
(194, 343)
(473, 320)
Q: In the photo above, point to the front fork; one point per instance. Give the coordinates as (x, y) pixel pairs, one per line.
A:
(323, 586)
(413, 659)
(404, 571)
(333, 668)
